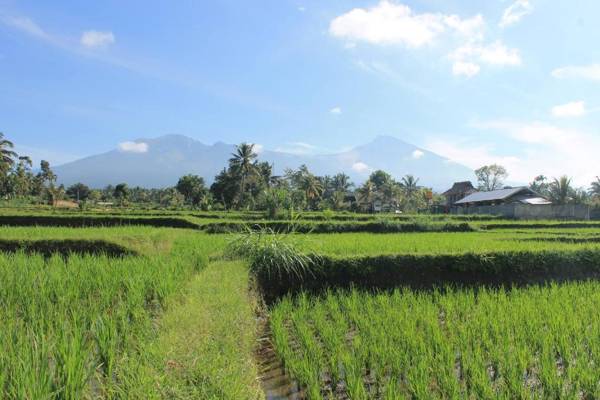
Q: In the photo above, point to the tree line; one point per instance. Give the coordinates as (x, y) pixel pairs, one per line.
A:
(559, 190)
(247, 183)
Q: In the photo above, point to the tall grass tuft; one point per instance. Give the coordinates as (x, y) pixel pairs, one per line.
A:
(272, 255)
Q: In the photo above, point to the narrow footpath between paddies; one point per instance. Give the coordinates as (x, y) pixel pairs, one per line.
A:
(207, 340)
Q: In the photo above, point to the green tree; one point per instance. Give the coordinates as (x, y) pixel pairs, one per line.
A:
(338, 198)
(192, 188)
(366, 195)
(78, 192)
(265, 172)
(561, 191)
(121, 193)
(225, 188)
(243, 165)
(312, 187)
(23, 179)
(46, 174)
(341, 182)
(274, 200)
(380, 178)
(595, 187)
(171, 197)
(540, 185)
(409, 185)
(7, 155)
(491, 177)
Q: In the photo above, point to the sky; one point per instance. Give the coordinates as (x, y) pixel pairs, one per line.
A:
(513, 82)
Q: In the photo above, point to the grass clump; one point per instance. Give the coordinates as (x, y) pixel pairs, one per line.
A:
(272, 255)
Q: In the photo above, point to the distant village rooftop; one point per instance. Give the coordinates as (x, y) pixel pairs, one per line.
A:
(522, 195)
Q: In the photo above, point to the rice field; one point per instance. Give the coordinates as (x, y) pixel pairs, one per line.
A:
(174, 315)
(78, 326)
(537, 342)
(362, 244)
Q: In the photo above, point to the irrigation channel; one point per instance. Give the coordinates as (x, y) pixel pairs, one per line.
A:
(274, 380)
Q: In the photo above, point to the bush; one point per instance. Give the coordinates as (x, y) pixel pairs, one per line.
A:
(64, 247)
(385, 226)
(75, 221)
(272, 255)
(430, 271)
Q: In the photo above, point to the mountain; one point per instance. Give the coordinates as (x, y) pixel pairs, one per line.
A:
(161, 161)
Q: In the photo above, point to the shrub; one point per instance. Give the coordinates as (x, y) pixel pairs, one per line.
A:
(427, 271)
(299, 226)
(272, 255)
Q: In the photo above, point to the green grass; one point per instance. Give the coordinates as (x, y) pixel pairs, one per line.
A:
(353, 244)
(142, 239)
(537, 342)
(71, 327)
(176, 321)
(207, 340)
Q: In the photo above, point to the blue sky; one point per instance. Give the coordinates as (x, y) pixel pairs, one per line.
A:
(514, 81)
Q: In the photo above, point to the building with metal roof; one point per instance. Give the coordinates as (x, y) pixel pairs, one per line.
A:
(518, 195)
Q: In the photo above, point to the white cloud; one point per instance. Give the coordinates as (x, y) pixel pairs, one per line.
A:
(470, 154)
(133, 147)
(297, 148)
(467, 69)
(495, 53)
(498, 54)
(301, 9)
(361, 167)
(25, 25)
(589, 72)
(515, 12)
(573, 109)
(258, 148)
(548, 149)
(95, 39)
(336, 110)
(390, 23)
(417, 154)
(471, 28)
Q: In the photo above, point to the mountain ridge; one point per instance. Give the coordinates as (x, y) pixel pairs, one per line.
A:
(159, 162)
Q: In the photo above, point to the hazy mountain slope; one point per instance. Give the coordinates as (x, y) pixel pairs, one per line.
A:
(163, 160)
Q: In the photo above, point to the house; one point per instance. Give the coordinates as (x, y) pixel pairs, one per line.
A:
(65, 204)
(518, 195)
(459, 191)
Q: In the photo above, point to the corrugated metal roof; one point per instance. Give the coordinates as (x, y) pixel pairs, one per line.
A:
(492, 195)
(535, 201)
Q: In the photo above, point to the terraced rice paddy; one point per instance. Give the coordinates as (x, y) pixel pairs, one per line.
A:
(168, 315)
(538, 342)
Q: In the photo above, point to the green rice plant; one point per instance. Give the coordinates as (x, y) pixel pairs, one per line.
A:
(533, 342)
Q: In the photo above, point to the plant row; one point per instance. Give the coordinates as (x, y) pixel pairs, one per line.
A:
(425, 271)
(337, 227)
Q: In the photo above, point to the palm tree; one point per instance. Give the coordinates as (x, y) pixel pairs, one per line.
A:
(595, 187)
(337, 199)
(409, 185)
(561, 190)
(243, 163)
(7, 156)
(312, 186)
(341, 182)
(367, 193)
(265, 171)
